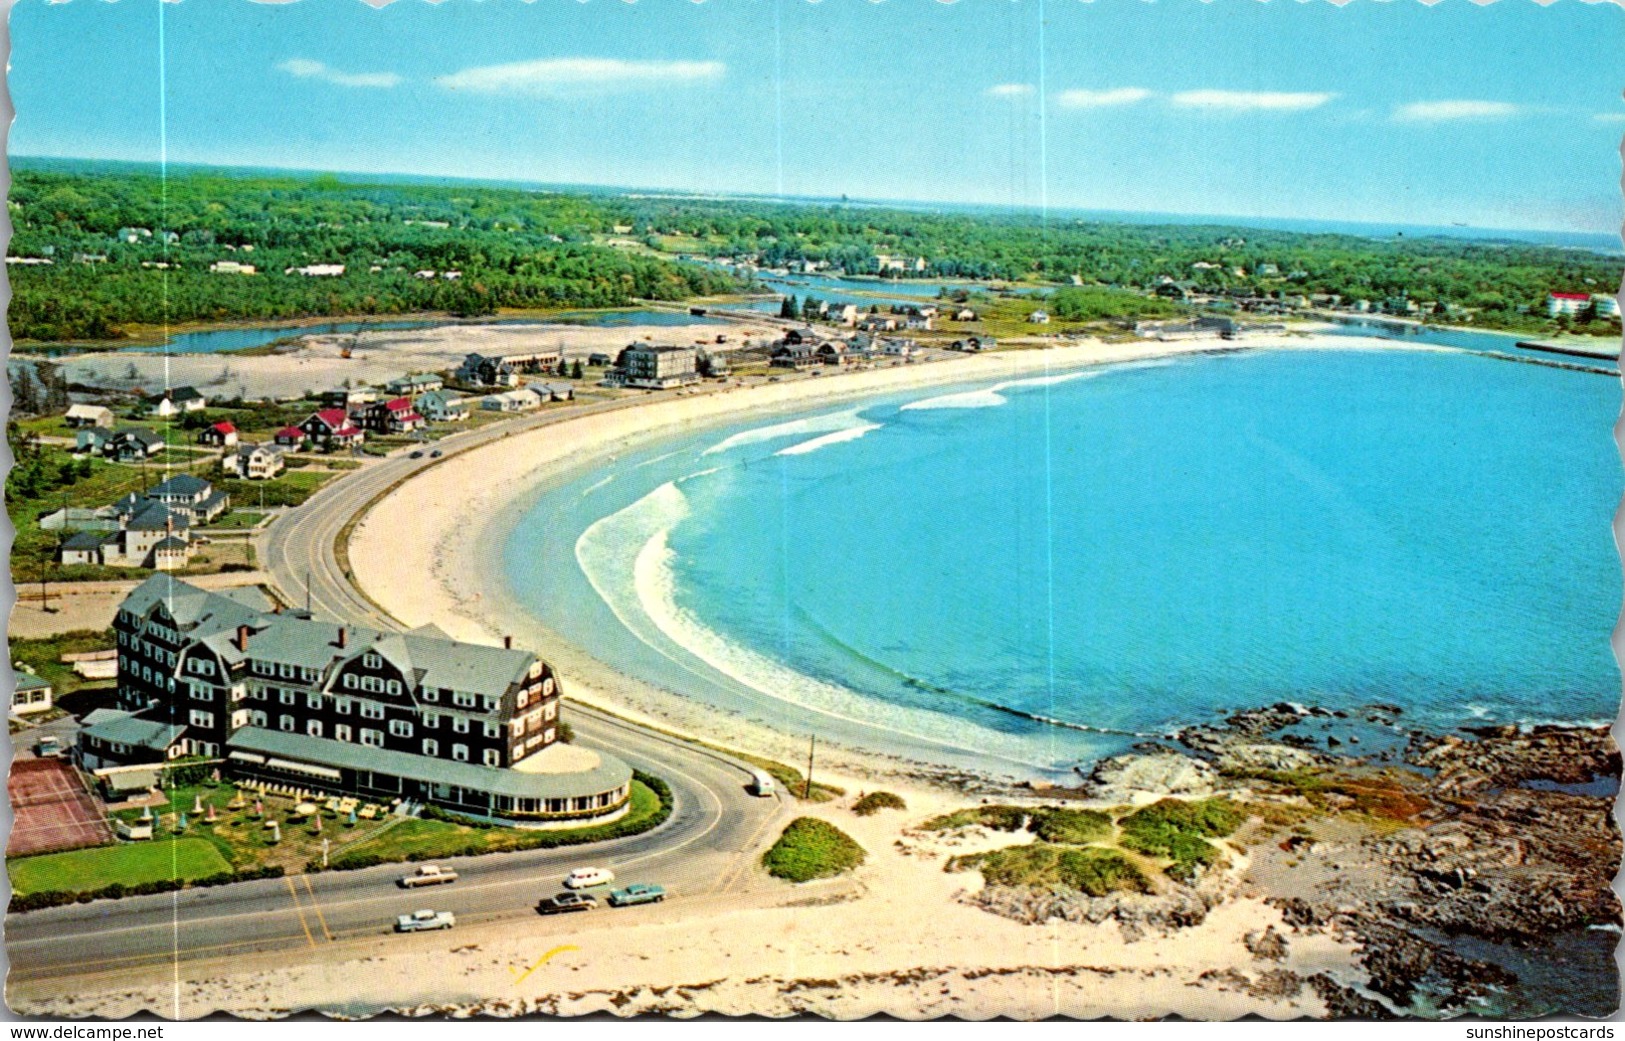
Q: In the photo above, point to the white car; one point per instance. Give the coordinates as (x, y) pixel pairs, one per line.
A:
(587, 877)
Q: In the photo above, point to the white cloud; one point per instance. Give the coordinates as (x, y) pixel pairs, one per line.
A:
(1101, 98)
(560, 75)
(1443, 111)
(304, 68)
(1251, 100)
(1010, 90)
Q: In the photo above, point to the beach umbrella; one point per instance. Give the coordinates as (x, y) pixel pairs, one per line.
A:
(259, 808)
(318, 824)
(146, 813)
(216, 775)
(352, 815)
(197, 803)
(276, 832)
(211, 813)
(180, 824)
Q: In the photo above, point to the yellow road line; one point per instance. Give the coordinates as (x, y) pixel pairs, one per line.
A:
(299, 910)
(317, 907)
(545, 958)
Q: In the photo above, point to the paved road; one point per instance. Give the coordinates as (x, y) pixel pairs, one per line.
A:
(706, 849)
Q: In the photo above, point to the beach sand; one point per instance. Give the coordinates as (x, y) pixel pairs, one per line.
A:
(892, 938)
(431, 551)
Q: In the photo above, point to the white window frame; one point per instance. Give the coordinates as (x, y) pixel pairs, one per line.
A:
(460, 753)
(431, 747)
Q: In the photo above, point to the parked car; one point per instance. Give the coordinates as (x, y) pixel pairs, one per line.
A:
(637, 893)
(565, 902)
(48, 747)
(425, 921)
(428, 875)
(761, 784)
(435, 454)
(588, 877)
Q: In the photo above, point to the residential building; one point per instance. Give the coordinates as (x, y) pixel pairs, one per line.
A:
(442, 406)
(396, 416)
(286, 698)
(415, 384)
(150, 534)
(79, 416)
(502, 370)
(193, 496)
(510, 401)
(117, 737)
(30, 694)
(795, 356)
(331, 428)
(349, 398)
(231, 267)
(256, 462)
(555, 391)
(1604, 306)
(658, 368)
(316, 270)
(130, 444)
(176, 401)
(290, 438)
(1039, 318)
(91, 440)
(219, 435)
(600, 360)
(964, 314)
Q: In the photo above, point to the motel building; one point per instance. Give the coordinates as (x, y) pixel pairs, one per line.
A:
(280, 697)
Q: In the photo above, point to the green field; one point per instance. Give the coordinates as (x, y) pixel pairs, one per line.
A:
(130, 864)
(811, 848)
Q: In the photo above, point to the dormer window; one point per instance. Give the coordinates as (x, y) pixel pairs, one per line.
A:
(372, 661)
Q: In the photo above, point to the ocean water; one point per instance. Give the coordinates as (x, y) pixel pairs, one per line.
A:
(1034, 573)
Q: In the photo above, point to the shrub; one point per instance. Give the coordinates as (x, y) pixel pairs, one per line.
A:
(999, 818)
(811, 848)
(1070, 827)
(1093, 872)
(874, 802)
(1179, 831)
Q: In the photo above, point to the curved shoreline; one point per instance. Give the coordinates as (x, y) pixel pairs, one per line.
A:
(431, 550)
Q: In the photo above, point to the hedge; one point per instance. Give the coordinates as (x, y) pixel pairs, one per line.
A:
(60, 897)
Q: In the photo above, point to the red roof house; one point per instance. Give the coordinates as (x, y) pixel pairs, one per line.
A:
(221, 435)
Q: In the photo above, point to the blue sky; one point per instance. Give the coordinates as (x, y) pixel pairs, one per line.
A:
(1502, 116)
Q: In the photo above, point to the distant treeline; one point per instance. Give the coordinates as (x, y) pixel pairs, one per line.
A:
(510, 248)
(523, 248)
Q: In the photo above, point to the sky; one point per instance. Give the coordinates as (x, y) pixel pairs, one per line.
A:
(1505, 116)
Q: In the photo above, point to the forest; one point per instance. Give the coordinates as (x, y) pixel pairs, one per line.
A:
(531, 248)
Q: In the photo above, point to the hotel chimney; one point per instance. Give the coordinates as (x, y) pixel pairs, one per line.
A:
(507, 641)
(242, 638)
(344, 637)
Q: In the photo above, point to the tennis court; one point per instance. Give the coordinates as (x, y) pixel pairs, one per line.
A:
(51, 809)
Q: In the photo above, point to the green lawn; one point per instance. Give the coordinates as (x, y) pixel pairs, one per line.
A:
(240, 519)
(130, 864)
(43, 657)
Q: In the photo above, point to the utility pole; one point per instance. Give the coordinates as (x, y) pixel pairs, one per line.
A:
(307, 591)
(812, 746)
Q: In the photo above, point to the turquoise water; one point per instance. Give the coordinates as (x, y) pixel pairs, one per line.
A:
(1044, 571)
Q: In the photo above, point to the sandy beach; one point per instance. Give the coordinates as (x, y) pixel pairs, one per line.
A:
(896, 937)
(437, 558)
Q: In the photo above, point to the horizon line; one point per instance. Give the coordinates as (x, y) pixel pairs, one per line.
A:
(724, 195)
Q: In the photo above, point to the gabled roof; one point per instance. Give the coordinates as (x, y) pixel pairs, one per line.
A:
(333, 417)
(225, 426)
(1571, 296)
(29, 681)
(87, 411)
(187, 394)
(291, 432)
(182, 484)
(86, 540)
(155, 516)
(139, 434)
(172, 545)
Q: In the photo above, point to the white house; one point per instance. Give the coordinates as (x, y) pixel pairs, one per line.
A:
(1567, 303)
(1039, 318)
(316, 270)
(510, 401)
(231, 267)
(255, 462)
(1605, 306)
(89, 416)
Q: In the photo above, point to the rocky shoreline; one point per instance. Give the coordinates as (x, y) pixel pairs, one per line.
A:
(1497, 837)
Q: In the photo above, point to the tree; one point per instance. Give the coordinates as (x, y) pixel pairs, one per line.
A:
(790, 308)
(576, 371)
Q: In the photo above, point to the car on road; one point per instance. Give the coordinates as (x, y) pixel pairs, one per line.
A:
(761, 784)
(588, 877)
(425, 921)
(48, 747)
(637, 893)
(565, 902)
(428, 875)
(416, 455)
(435, 454)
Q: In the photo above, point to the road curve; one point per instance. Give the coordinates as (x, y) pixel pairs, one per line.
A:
(704, 850)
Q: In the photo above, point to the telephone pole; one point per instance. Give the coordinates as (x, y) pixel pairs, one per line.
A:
(812, 747)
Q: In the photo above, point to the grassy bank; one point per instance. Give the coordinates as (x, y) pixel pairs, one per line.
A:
(133, 864)
(811, 849)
